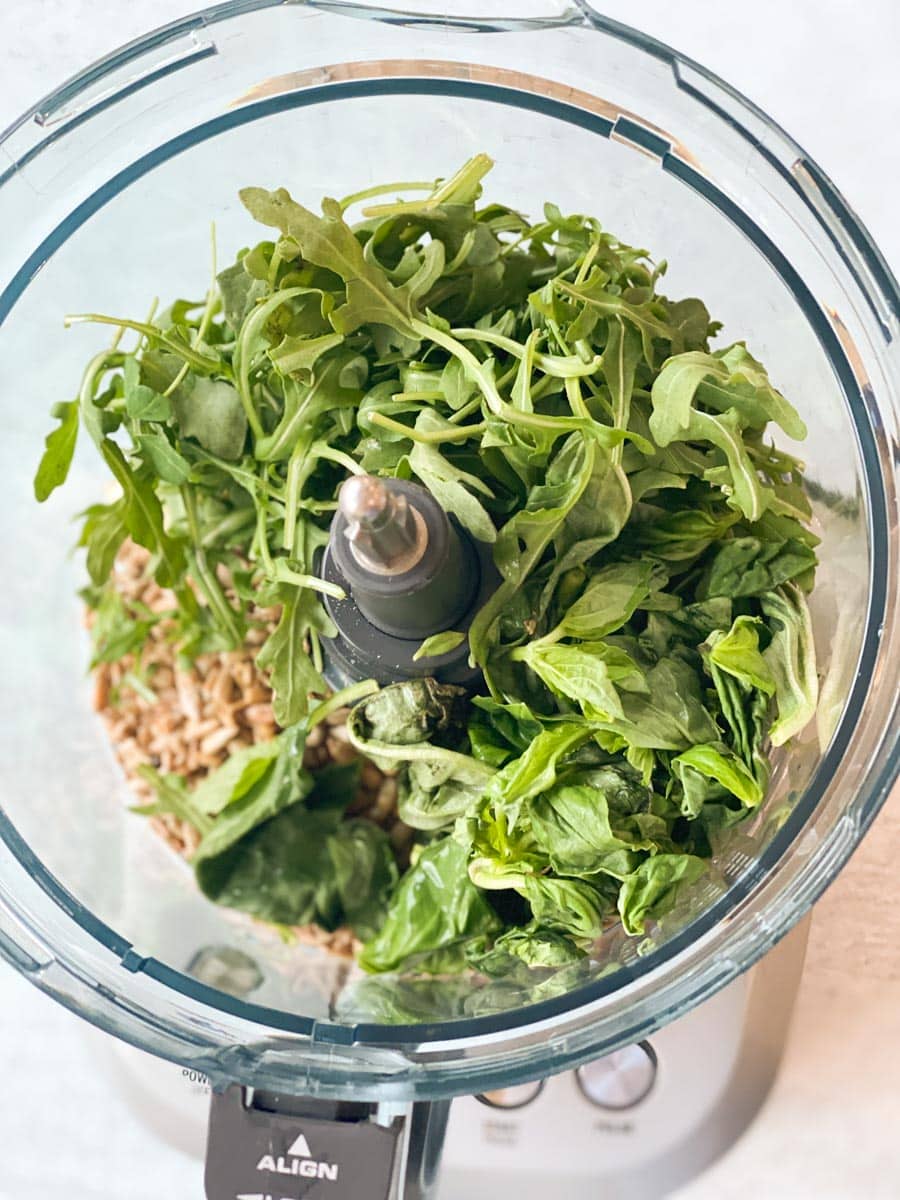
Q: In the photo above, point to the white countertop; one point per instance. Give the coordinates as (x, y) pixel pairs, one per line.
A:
(830, 1128)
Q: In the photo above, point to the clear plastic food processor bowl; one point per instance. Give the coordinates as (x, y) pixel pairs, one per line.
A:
(107, 190)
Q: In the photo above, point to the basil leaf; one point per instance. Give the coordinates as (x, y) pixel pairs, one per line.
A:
(723, 765)
(655, 887)
(608, 602)
(737, 652)
(279, 872)
(365, 874)
(749, 566)
(281, 785)
(434, 907)
(791, 659)
(571, 905)
(573, 824)
(532, 945)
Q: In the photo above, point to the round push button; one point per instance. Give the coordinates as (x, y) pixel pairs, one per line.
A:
(619, 1080)
(512, 1097)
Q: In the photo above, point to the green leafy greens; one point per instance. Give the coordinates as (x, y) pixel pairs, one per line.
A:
(649, 640)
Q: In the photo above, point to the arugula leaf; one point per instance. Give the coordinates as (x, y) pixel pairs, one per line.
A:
(211, 411)
(239, 291)
(621, 356)
(172, 797)
(142, 516)
(119, 629)
(159, 453)
(739, 480)
(142, 402)
(451, 486)
(728, 379)
(103, 532)
(294, 354)
(59, 449)
(294, 677)
(525, 537)
(329, 242)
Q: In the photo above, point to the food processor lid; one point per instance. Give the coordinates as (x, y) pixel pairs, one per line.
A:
(69, 951)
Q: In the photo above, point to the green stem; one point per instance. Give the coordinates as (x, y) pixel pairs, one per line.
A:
(474, 367)
(429, 437)
(234, 522)
(242, 358)
(323, 450)
(254, 485)
(315, 649)
(274, 264)
(205, 576)
(459, 258)
(262, 539)
(548, 363)
(424, 397)
(471, 406)
(341, 699)
(88, 411)
(205, 319)
(198, 361)
(469, 175)
(286, 575)
(587, 262)
(576, 400)
(384, 189)
(523, 653)
(299, 467)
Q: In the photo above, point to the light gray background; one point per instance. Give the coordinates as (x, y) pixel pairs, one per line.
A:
(827, 71)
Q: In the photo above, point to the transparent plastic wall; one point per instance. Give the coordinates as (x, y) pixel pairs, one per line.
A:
(110, 189)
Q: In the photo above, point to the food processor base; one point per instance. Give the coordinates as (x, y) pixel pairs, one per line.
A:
(637, 1124)
(624, 1128)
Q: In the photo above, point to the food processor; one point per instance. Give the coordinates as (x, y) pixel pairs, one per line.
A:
(319, 1082)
